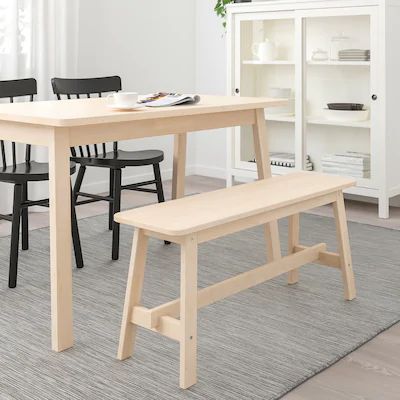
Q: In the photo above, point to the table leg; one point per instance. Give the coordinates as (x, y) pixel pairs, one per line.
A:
(179, 166)
(60, 241)
(293, 241)
(264, 172)
(342, 234)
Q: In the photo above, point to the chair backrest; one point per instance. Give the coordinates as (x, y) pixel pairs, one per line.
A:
(87, 87)
(11, 89)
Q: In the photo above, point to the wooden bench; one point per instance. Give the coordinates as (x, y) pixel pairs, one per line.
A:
(197, 219)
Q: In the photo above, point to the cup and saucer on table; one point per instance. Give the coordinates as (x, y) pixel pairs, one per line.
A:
(124, 101)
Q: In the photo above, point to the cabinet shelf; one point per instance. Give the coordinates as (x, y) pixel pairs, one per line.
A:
(280, 118)
(323, 121)
(318, 121)
(340, 63)
(275, 169)
(278, 170)
(274, 62)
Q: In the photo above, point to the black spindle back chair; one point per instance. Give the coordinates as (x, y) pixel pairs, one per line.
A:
(19, 174)
(12, 89)
(97, 155)
(87, 88)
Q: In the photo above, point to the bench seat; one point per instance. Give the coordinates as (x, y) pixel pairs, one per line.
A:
(207, 210)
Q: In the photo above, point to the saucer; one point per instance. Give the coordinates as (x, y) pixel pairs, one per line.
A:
(117, 107)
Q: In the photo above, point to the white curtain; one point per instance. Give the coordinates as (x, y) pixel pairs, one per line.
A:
(39, 39)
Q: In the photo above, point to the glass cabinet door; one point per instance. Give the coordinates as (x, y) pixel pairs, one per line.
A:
(339, 63)
(264, 66)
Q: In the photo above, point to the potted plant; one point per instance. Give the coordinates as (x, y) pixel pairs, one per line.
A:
(220, 7)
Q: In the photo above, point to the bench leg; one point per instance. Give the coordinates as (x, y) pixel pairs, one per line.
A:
(344, 247)
(133, 294)
(188, 313)
(293, 236)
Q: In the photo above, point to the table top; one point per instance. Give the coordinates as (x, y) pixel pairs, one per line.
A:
(206, 210)
(69, 113)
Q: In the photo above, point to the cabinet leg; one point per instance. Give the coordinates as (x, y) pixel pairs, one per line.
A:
(229, 180)
(383, 207)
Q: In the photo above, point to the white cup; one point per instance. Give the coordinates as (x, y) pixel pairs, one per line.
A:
(124, 99)
(264, 51)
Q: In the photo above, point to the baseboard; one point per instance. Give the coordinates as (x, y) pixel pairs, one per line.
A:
(212, 172)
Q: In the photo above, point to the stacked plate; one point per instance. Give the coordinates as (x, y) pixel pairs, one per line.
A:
(354, 55)
(346, 112)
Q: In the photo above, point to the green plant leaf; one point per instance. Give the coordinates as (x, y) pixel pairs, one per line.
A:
(220, 9)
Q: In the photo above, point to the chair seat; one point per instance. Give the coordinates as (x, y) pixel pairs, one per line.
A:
(122, 158)
(26, 172)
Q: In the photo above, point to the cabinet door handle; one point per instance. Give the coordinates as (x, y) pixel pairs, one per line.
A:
(374, 97)
(237, 90)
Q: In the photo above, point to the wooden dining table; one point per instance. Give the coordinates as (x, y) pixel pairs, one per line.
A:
(60, 125)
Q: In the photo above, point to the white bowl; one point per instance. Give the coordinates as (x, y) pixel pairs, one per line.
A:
(346, 116)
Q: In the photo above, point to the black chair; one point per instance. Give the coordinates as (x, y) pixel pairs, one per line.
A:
(20, 175)
(115, 160)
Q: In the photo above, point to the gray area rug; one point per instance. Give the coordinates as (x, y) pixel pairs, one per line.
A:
(256, 345)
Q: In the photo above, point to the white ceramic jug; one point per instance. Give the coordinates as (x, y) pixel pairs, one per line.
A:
(264, 51)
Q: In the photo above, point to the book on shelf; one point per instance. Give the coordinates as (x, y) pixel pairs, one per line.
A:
(348, 158)
(353, 167)
(284, 157)
(287, 160)
(289, 164)
(163, 99)
(346, 172)
(354, 55)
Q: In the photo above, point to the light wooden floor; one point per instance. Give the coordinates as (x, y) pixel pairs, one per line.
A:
(370, 373)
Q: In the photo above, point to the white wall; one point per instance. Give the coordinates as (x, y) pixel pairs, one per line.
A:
(151, 45)
(155, 45)
(210, 39)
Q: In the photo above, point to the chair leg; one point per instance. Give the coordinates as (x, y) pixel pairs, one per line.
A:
(25, 222)
(75, 234)
(159, 186)
(111, 205)
(188, 314)
(344, 247)
(116, 209)
(133, 294)
(12, 277)
(78, 182)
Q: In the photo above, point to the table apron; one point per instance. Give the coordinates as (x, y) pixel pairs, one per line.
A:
(88, 134)
(26, 133)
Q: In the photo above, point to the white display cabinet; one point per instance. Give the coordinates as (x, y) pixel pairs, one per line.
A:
(298, 29)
